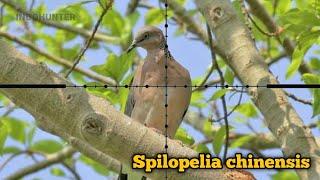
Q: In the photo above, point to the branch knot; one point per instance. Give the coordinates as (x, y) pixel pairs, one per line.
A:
(93, 125)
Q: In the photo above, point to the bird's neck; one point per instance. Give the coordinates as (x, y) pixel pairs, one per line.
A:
(158, 52)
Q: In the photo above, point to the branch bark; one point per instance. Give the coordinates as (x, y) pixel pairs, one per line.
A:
(242, 56)
(87, 121)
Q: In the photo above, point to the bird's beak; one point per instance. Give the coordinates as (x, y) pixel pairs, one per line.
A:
(132, 46)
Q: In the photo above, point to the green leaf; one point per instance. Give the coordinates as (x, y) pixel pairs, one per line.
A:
(41, 9)
(207, 128)
(295, 63)
(63, 36)
(305, 41)
(71, 53)
(30, 135)
(197, 99)
(133, 18)
(202, 148)
(57, 172)
(16, 129)
(47, 146)
(97, 167)
(155, 16)
(315, 64)
(300, 17)
(113, 21)
(83, 19)
(10, 150)
(218, 140)
(247, 109)
(51, 44)
(283, 6)
(229, 76)
(3, 136)
(115, 67)
(183, 136)
(285, 175)
(313, 79)
(218, 94)
(241, 141)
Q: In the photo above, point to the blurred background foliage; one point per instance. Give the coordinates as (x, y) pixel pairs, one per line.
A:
(299, 21)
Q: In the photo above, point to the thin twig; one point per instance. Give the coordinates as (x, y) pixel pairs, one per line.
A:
(88, 41)
(303, 101)
(10, 109)
(261, 30)
(275, 5)
(224, 104)
(11, 158)
(275, 59)
(246, 18)
(52, 159)
(31, 5)
(205, 79)
(132, 6)
(233, 109)
(72, 170)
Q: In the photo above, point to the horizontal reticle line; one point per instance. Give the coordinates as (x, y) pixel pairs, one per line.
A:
(293, 85)
(35, 86)
(43, 86)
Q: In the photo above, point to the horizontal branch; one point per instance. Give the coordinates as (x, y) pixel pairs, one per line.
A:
(51, 159)
(83, 32)
(58, 60)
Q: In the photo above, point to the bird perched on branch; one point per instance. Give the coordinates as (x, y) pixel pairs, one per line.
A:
(146, 103)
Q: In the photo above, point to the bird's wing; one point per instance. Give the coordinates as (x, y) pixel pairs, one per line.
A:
(131, 99)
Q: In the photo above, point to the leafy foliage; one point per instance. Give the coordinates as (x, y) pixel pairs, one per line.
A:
(299, 18)
(97, 167)
(303, 25)
(183, 136)
(314, 79)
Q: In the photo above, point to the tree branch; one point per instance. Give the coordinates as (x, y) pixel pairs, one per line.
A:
(51, 159)
(61, 61)
(282, 120)
(132, 6)
(83, 32)
(89, 121)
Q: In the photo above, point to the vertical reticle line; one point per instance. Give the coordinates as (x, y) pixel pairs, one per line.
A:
(166, 51)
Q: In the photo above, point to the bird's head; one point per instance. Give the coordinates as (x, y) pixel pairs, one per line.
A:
(148, 37)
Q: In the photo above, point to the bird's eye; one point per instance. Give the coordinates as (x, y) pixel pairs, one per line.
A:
(146, 36)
